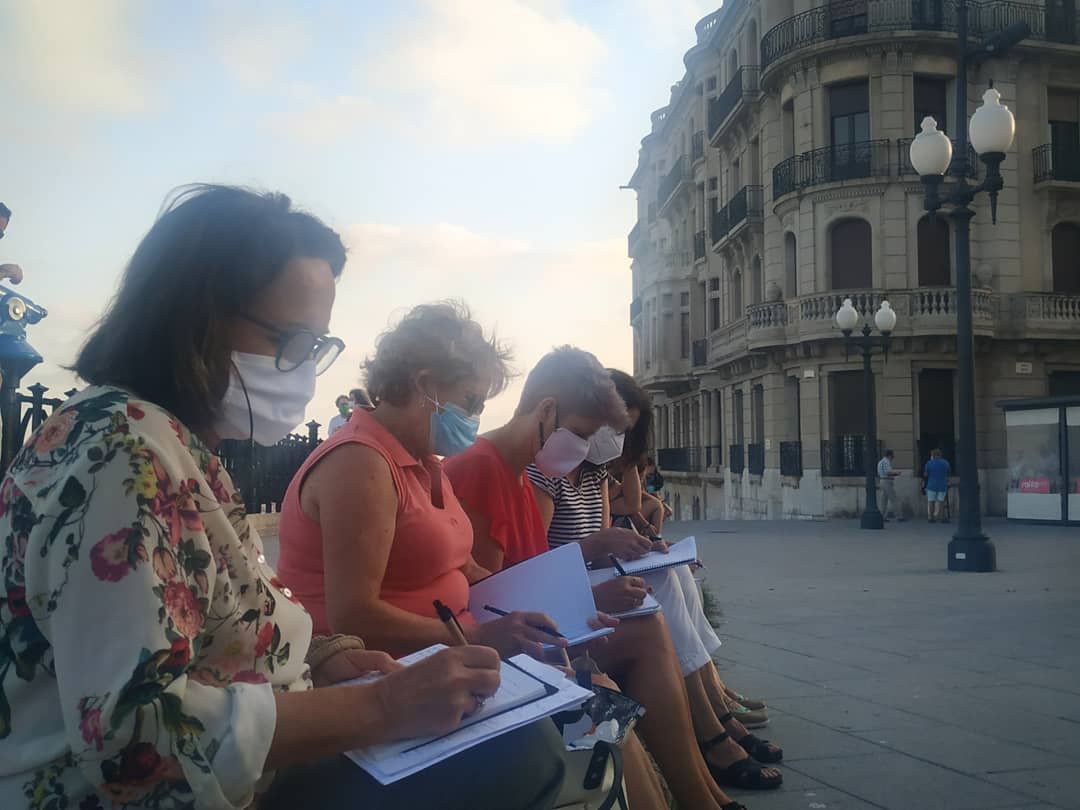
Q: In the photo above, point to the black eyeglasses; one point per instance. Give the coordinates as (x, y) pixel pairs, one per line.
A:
(296, 346)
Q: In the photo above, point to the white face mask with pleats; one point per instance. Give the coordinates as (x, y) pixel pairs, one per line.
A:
(264, 403)
(605, 445)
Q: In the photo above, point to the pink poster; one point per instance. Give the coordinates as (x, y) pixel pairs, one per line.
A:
(1039, 486)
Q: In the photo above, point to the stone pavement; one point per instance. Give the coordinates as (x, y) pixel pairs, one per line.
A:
(892, 683)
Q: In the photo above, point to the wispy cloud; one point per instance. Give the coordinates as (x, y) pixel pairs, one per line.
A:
(510, 69)
(75, 55)
(322, 121)
(257, 41)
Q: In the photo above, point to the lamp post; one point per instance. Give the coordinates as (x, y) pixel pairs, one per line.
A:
(992, 130)
(847, 318)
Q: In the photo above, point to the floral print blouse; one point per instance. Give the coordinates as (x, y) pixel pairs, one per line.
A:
(141, 632)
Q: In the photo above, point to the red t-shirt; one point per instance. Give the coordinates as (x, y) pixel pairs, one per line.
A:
(486, 485)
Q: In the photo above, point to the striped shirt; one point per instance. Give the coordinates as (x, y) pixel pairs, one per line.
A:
(579, 510)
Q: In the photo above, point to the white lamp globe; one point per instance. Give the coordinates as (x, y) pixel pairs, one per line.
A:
(846, 317)
(885, 318)
(992, 126)
(931, 150)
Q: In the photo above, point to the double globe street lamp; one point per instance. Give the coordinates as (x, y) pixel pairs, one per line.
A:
(847, 319)
(992, 129)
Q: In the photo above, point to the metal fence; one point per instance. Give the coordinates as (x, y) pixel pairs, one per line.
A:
(791, 458)
(845, 457)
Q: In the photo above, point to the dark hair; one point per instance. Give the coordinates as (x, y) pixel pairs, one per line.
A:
(441, 338)
(5, 212)
(637, 437)
(211, 252)
(580, 384)
(889, 454)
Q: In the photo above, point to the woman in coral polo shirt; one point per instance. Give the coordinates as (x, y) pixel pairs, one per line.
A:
(371, 532)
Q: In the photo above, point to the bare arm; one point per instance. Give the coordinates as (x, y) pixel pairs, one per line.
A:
(355, 503)
(485, 550)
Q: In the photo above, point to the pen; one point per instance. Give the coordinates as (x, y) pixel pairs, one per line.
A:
(618, 566)
(446, 616)
(547, 630)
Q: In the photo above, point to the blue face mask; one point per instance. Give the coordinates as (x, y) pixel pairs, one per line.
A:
(452, 430)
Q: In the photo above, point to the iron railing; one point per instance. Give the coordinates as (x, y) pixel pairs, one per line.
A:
(699, 245)
(746, 202)
(905, 169)
(1056, 162)
(755, 458)
(718, 227)
(697, 146)
(263, 474)
(679, 459)
(844, 457)
(34, 414)
(700, 352)
(714, 455)
(736, 460)
(846, 18)
(830, 164)
(791, 458)
(679, 174)
(743, 83)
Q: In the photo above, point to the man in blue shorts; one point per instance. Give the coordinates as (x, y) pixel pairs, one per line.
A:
(936, 471)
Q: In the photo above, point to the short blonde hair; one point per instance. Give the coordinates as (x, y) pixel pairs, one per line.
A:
(579, 382)
(441, 338)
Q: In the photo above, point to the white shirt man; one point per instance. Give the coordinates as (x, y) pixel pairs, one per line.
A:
(886, 473)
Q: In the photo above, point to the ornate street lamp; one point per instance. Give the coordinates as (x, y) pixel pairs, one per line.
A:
(847, 318)
(992, 129)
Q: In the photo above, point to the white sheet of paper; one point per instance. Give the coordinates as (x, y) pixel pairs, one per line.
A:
(555, 583)
(648, 607)
(682, 553)
(406, 763)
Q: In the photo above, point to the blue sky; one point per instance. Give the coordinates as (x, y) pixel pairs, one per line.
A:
(471, 149)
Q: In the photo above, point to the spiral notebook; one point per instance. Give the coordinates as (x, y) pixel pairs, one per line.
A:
(682, 553)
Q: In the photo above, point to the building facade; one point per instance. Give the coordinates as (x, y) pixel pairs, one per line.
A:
(777, 183)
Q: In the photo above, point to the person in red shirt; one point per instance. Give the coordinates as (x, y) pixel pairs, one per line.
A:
(566, 399)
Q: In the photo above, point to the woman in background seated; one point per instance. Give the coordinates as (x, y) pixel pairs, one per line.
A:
(371, 532)
(149, 657)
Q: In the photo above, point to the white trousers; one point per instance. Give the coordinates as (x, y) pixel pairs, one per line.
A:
(679, 596)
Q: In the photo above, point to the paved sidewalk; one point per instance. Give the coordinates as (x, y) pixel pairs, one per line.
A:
(893, 683)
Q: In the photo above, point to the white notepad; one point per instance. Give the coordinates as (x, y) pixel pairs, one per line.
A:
(555, 582)
(562, 694)
(682, 553)
(648, 607)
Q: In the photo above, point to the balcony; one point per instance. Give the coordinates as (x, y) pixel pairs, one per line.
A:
(679, 459)
(697, 146)
(635, 309)
(844, 457)
(831, 164)
(675, 263)
(841, 20)
(632, 238)
(742, 88)
(736, 461)
(699, 246)
(923, 311)
(1047, 315)
(745, 207)
(755, 458)
(791, 459)
(905, 169)
(700, 352)
(1056, 163)
(727, 342)
(674, 181)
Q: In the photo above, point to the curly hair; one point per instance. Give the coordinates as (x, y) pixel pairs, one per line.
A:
(579, 382)
(441, 338)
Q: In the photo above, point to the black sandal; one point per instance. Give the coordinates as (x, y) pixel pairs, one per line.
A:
(744, 774)
(733, 806)
(760, 749)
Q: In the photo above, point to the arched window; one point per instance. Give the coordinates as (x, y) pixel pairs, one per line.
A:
(791, 271)
(757, 294)
(851, 260)
(934, 260)
(736, 295)
(1065, 246)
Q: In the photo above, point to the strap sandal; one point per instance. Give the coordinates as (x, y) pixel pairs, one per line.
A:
(761, 750)
(733, 806)
(745, 774)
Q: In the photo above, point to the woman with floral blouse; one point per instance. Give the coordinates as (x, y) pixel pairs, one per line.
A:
(149, 657)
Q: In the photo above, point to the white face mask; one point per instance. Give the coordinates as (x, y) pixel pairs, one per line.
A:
(605, 445)
(277, 399)
(562, 453)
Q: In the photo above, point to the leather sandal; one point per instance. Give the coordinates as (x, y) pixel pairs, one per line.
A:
(760, 749)
(745, 774)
